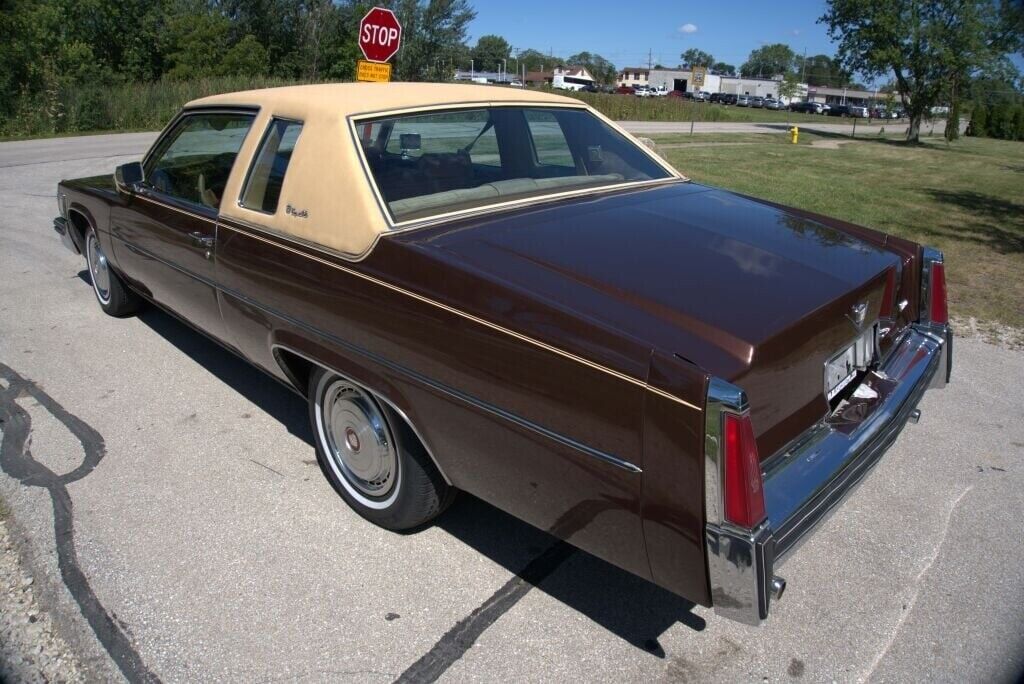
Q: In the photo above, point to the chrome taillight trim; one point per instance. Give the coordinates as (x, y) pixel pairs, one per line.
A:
(929, 257)
(739, 560)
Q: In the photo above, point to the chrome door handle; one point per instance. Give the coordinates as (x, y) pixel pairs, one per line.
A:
(200, 240)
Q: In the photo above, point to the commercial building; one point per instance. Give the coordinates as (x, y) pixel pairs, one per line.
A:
(848, 96)
(485, 76)
(683, 80)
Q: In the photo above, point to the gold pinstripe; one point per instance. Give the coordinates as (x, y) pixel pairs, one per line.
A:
(475, 319)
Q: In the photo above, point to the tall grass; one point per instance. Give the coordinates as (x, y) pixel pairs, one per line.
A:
(148, 106)
(126, 106)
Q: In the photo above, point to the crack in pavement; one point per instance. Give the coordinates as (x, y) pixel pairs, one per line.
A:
(16, 460)
(916, 590)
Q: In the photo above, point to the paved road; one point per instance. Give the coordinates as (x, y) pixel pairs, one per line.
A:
(181, 531)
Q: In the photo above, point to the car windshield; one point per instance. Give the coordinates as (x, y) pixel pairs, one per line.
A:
(430, 164)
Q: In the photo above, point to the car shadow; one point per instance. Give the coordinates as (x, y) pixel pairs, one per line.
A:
(629, 607)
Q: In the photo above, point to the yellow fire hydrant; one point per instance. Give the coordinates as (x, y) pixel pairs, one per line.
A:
(794, 134)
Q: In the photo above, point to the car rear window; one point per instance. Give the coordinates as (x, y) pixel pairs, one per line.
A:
(266, 176)
(439, 162)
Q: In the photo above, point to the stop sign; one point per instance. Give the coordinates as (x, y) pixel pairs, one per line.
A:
(379, 34)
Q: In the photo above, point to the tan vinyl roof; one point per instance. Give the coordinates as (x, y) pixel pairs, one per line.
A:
(346, 99)
(327, 198)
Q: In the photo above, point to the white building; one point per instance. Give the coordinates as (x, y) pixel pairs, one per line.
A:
(571, 77)
(633, 77)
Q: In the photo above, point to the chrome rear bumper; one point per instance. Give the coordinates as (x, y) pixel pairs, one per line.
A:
(813, 475)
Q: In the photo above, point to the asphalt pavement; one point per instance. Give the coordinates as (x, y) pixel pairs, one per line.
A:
(166, 498)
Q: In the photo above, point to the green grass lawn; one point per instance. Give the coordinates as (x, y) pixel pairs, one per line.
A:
(966, 199)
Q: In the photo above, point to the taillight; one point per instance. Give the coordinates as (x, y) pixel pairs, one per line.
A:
(938, 312)
(744, 497)
(889, 295)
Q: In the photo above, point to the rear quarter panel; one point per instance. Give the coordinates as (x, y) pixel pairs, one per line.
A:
(516, 424)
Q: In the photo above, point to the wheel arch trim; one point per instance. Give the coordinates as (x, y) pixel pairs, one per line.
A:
(277, 347)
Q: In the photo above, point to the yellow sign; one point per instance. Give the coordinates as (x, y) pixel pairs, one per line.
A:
(698, 76)
(373, 71)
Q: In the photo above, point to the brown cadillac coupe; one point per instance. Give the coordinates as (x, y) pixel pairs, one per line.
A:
(502, 292)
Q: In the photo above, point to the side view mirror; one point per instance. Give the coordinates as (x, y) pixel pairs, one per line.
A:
(127, 176)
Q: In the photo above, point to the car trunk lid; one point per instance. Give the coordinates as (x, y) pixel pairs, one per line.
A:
(751, 293)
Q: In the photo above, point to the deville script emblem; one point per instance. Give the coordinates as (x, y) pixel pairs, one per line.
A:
(858, 312)
(297, 213)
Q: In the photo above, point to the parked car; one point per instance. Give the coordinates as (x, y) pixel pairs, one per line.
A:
(643, 91)
(715, 98)
(677, 379)
(838, 110)
(659, 91)
(625, 90)
(857, 111)
(701, 96)
(757, 102)
(677, 93)
(728, 98)
(806, 107)
(772, 103)
(515, 83)
(742, 100)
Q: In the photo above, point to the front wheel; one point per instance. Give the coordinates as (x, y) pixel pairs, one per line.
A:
(114, 297)
(371, 457)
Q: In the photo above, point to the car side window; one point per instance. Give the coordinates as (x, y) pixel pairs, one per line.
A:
(193, 163)
(549, 144)
(266, 176)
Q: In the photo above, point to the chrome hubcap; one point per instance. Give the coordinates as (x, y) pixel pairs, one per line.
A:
(358, 439)
(98, 269)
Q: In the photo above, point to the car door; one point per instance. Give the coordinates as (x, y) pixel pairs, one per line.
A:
(166, 232)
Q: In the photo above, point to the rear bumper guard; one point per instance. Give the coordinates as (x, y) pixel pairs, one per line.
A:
(804, 483)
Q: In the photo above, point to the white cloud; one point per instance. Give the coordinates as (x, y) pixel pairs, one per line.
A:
(688, 28)
(795, 32)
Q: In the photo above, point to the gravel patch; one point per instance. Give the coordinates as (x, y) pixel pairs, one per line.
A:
(30, 648)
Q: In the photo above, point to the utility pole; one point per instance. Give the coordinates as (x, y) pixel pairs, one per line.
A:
(648, 62)
(803, 68)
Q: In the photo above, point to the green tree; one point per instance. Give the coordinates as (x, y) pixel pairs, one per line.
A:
(600, 68)
(535, 60)
(723, 69)
(769, 61)
(694, 58)
(245, 58)
(195, 42)
(821, 70)
(433, 37)
(489, 51)
(916, 41)
(790, 86)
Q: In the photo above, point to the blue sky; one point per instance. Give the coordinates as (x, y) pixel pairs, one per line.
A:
(623, 32)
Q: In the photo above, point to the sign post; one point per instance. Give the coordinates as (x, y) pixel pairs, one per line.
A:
(380, 36)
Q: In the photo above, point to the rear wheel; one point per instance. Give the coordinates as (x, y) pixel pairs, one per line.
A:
(115, 298)
(371, 457)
